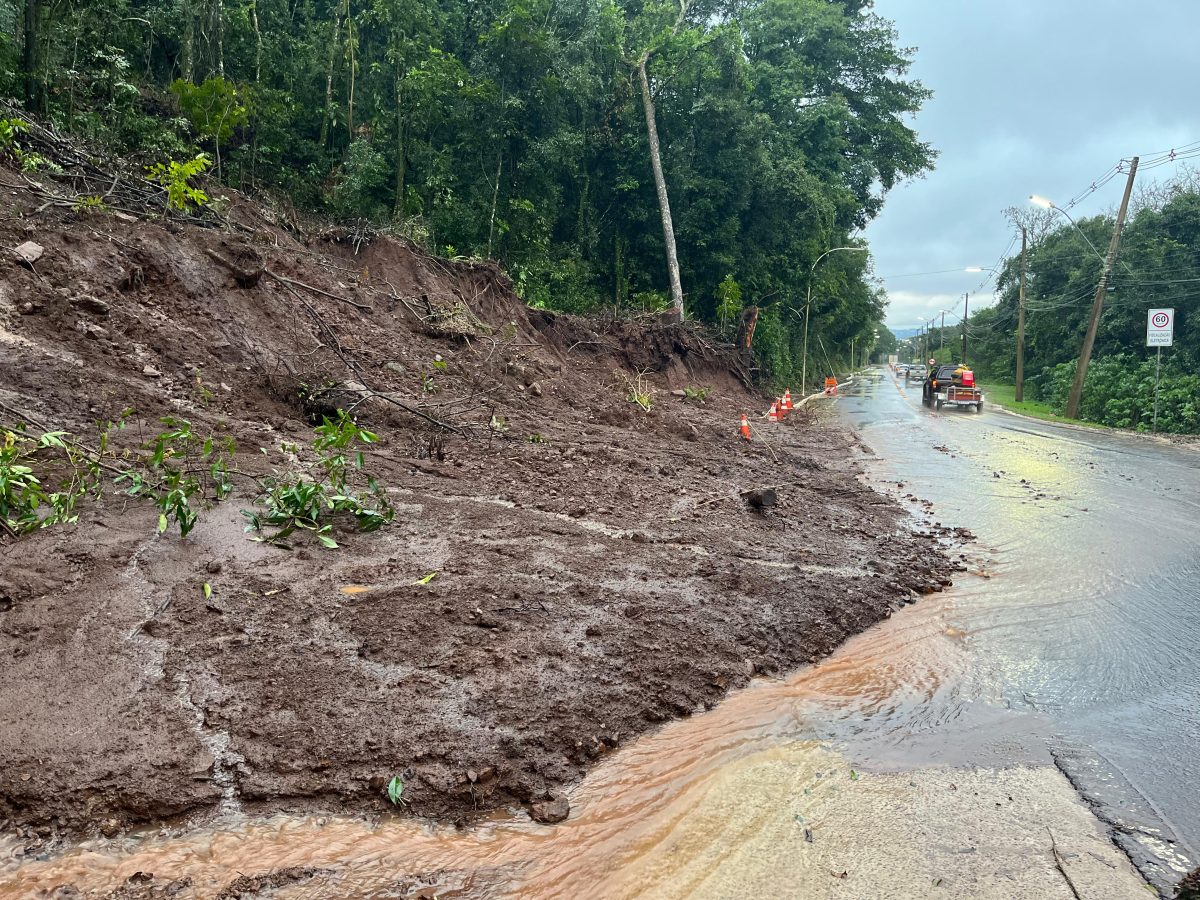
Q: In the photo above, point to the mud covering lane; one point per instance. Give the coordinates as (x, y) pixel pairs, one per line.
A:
(590, 583)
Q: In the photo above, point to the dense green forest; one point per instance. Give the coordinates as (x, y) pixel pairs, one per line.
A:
(1158, 265)
(522, 130)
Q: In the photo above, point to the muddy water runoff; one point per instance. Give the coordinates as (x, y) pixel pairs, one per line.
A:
(1072, 642)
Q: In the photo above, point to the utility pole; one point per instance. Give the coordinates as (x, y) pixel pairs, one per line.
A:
(1019, 390)
(1089, 339)
(966, 301)
(942, 333)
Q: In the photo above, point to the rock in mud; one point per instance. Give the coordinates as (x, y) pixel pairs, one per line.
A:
(29, 252)
(550, 811)
(760, 498)
(91, 304)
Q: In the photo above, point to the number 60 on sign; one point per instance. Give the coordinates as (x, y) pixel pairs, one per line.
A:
(1160, 327)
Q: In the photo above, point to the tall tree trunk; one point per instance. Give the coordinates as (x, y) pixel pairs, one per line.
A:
(187, 65)
(258, 50)
(581, 215)
(353, 59)
(333, 50)
(495, 199)
(258, 42)
(401, 148)
(34, 95)
(219, 28)
(660, 186)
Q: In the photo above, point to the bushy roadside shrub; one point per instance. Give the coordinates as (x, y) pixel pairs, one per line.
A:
(1119, 392)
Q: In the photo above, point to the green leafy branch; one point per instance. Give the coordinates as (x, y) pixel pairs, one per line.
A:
(332, 484)
(176, 176)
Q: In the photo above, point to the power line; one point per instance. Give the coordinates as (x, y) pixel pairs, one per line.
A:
(960, 270)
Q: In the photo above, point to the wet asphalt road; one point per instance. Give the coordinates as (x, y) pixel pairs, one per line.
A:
(1082, 626)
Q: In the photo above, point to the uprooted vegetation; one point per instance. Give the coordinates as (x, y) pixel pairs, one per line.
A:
(549, 566)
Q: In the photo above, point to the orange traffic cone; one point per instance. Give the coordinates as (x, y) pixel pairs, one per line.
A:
(745, 429)
(773, 413)
(787, 401)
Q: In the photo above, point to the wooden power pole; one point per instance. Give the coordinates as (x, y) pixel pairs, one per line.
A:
(1089, 339)
(1019, 390)
(942, 332)
(966, 303)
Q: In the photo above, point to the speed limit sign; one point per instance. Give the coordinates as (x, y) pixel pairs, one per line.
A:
(1160, 327)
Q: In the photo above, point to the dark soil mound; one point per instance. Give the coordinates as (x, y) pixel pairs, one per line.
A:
(596, 568)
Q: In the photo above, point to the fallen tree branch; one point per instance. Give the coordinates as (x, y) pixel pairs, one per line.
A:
(416, 412)
(316, 290)
(354, 368)
(247, 278)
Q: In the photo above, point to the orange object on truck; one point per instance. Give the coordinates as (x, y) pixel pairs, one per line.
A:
(952, 386)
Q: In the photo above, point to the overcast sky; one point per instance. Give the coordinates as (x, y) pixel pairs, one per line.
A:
(1030, 96)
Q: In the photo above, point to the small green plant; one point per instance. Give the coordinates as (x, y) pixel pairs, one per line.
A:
(10, 129)
(729, 302)
(652, 301)
(176, 471)
(696, 394)
(206, 396)
(536, 438)
(498, 425)
(35, 162)
(429, 383)
(90, 204)
(28, 160)
(333, 483)
(176, 176)
(182, 468)
(395, 791)
(638, 389)
(27, 465)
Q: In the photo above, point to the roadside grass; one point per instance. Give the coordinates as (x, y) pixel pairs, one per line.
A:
(1004, 395)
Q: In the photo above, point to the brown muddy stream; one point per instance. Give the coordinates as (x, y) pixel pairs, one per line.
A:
(621, 813)
(1069, 647)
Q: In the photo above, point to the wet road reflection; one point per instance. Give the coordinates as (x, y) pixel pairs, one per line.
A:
(1091, 616)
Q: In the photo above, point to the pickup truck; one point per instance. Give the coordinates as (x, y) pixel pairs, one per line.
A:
(951, 386)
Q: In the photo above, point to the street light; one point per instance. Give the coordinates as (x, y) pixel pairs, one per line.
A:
(1044, 203)
(808, 304)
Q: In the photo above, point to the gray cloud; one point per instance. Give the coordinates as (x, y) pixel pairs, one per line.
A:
(1030, 96)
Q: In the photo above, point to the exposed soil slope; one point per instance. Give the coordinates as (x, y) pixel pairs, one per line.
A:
(592, 582)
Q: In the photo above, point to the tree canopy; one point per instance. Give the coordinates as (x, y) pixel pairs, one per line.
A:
(1158, 265)
(515, 129)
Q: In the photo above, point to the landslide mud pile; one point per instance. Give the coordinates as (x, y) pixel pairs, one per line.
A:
(564, 569)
